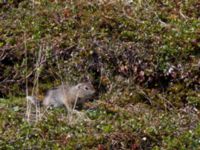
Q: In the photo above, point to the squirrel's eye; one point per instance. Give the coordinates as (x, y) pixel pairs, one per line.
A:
(86, 88)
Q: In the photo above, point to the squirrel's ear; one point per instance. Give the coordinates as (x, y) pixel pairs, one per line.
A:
(78, 86)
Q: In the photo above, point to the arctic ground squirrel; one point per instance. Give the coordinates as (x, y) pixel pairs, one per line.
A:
(66, 95)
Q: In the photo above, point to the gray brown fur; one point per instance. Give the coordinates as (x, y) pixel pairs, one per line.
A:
(67, 95)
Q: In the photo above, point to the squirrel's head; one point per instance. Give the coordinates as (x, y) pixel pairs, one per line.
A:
(85, 90)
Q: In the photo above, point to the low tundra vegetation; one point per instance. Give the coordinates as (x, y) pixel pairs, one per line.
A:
(143, 57)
